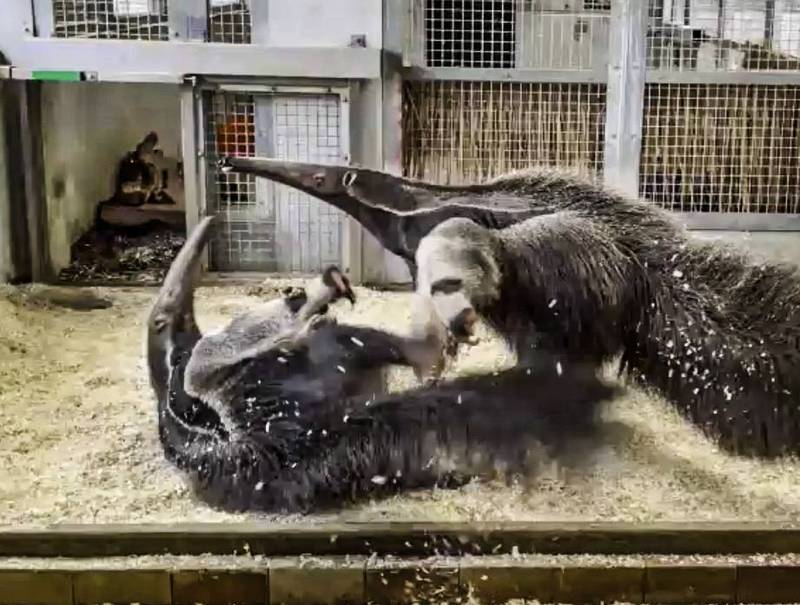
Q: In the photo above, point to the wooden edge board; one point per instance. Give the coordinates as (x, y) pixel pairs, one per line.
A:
(401, 539)
(483, 579)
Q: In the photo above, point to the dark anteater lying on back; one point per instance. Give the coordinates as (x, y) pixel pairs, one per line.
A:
(561, 264)
(287, 426)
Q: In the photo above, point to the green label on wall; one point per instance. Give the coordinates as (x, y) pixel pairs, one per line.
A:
(58, 76)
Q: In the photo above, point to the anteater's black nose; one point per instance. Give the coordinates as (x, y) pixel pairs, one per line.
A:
(463, 325)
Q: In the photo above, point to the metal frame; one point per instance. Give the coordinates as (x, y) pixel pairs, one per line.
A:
(112, 60)
(507, 75)
(191, 150)
(625, 76)
(625, 94)
(188, 20)
(43, 18)
(193, 140)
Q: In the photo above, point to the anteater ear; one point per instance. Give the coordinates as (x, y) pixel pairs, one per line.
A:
(477, 257)
(484, 261)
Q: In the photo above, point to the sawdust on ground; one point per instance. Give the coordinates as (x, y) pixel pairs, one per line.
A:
(79, 439)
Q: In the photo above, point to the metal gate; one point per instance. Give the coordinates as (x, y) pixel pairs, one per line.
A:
(264, 226)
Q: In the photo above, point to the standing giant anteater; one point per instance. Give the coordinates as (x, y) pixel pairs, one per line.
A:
(397, 211)
(561, 264)
(288, 427)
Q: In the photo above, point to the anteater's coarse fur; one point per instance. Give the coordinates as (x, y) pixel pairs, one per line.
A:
(713, 331)
(601, 275)
(289, 437)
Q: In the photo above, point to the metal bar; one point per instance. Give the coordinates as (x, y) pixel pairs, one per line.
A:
(506, 75)
(311, 89)
(720, 77)
(417, 33)
(397, 30)
(189, 153)
(188, 20)
(23, 12)
(175, 59)
(261, 84)
(43, 18)
(625, 94)
(716, 221)
(394, 269)
(201, 164)
(769, 22)
(33, 167)
(259, 19)
(352, 236)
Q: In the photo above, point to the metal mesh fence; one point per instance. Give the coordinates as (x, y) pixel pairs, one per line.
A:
(470, 131)
(230, 21)
(230, 130)
(522, 34)
(724, 35)
(722, 148)
(244, 237)
(265, 226)
(307, 128)
(111, 19)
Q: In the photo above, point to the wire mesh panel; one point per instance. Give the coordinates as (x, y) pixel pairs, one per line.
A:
(722, 148)
(111, 19)
(529, 34)
(724, 35)
(265, 226)
(245, 234)
(230, 21)
(457, 132)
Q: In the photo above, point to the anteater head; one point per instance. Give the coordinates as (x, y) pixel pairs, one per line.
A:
(458, 273)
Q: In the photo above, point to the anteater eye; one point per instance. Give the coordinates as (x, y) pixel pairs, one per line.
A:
(446, 286)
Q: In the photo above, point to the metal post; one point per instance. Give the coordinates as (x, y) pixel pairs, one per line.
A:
(625, 94)
(355, 120)
(397, 51)
(43, 19)
(395, 39)
(769, 23)
(188, 20)
(190, 150)
(259, 19)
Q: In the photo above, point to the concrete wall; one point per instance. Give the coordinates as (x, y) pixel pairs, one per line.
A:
(783, 246)
(87, 128)
(323, 22)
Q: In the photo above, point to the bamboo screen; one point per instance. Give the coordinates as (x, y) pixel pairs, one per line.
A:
(470, 131)
(722, 148)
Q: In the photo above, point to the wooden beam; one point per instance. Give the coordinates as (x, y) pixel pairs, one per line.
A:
(408, 539)
(30, 124)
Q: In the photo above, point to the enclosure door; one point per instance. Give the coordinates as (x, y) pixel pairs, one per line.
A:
(264, 226)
